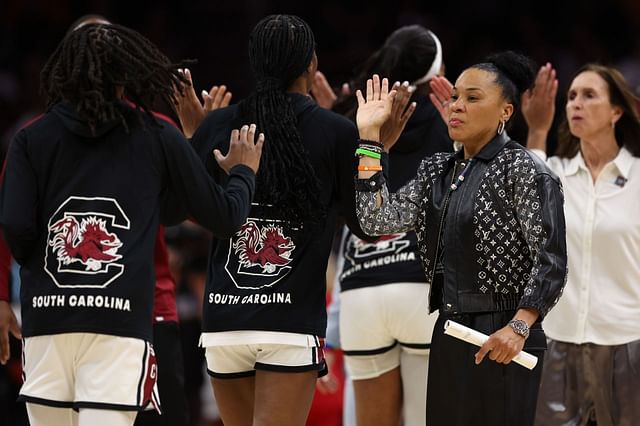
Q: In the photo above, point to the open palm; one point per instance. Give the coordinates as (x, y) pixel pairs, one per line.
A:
(374, 111)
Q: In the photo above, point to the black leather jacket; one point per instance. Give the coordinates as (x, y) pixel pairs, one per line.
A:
(498, 238)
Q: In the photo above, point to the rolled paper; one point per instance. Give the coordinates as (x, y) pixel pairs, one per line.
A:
(476, 338)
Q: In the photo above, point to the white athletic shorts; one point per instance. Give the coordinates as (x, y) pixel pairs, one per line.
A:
(89, 370)
(378, 322)
(236, 354)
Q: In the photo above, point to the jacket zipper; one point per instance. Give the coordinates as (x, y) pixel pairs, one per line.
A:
(444, 213)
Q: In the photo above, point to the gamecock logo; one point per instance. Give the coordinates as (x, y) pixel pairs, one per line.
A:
(88, 242)
(259, 255)
(82, 242)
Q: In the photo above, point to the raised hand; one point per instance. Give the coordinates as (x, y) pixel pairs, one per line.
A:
(400, 114)
(217, 97)
(322, 92)
(375, 110)
(441, 91)
(539, 106)
(191, 111)
(242, 149)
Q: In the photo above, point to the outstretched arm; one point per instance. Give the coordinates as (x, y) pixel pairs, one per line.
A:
(221, 210)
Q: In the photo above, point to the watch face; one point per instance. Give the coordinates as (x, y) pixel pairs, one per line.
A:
(520, 327)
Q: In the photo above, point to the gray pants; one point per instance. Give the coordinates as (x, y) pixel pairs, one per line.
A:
(588, 382)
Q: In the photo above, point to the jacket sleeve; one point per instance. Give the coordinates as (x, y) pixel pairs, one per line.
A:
(538, 202)
(221, 210)
(346, 166)
(18, 200)
(399, 210)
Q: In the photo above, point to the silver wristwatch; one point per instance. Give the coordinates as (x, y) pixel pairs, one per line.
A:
(519, 327)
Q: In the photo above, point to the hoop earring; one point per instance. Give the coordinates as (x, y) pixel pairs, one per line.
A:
(501, 127)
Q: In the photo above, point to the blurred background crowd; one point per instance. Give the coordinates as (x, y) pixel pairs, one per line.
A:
(566, 33)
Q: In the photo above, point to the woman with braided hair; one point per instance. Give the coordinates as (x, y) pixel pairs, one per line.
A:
(264, 313)
(83, 194)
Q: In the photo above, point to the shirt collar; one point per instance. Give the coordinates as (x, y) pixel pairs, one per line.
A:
(576, 163)
(488, 152)
(623, 162)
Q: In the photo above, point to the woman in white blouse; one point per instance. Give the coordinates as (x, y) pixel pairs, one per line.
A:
(592, 366)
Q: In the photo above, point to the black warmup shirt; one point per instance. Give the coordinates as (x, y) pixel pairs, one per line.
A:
(262, 278)
(80, 213)
(394, 258)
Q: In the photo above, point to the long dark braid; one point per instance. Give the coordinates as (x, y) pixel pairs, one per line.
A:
(92, 61)
(281, 48)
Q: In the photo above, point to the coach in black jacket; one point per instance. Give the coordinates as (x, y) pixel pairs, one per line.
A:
(491, 234)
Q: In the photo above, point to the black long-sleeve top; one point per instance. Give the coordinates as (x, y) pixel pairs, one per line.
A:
(264, 278)
(80, 212)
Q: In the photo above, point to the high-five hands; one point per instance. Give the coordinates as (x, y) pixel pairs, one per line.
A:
(400, 114)
(242, 149)
(191, 111)
(375, 110)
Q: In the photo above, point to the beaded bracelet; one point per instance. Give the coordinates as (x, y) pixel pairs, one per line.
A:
(363, 168)
(373, 148)
(361, 152)
(370, 142)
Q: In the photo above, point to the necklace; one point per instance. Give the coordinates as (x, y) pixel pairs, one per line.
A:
(460, 179)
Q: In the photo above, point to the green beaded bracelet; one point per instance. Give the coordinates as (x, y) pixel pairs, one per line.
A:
(367, 153)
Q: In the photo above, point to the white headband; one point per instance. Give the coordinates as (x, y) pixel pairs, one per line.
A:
(435, 66)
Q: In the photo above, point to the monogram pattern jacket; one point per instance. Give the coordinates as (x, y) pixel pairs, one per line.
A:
(499, 233)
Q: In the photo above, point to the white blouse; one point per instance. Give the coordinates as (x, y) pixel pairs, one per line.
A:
(601, 301)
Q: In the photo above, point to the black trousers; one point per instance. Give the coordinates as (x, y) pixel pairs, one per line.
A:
(168, 349)
(461, 393)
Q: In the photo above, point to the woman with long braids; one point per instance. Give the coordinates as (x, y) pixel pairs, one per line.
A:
(80, 206)
(264, 313)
